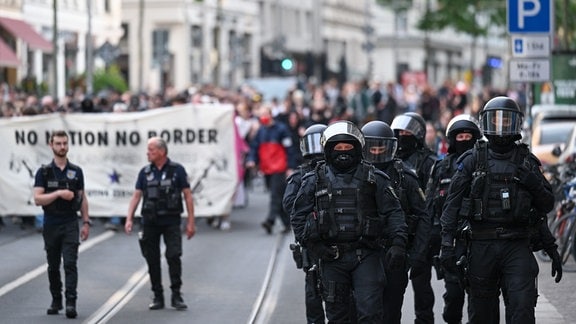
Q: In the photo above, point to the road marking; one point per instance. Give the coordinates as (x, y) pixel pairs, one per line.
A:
(120, 298)
(258, 315)
(41, 269)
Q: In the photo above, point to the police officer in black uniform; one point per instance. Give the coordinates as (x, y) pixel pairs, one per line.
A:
(342, 210)
(59, 189)
(380, 150)
(312, 153)
(162, 184)
(499, 188)
(462, 133)
(410, 129)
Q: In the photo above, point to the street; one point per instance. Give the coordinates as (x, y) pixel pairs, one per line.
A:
(237, 276)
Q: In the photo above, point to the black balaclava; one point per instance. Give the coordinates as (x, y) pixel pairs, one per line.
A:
(501, 144)
(344, 161)
(459, 147)
(407, 145)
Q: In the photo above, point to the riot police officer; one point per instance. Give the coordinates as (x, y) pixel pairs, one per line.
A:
(499, 188)
(462, 132)
(312, 153)
(410, 129)
(343, 208)
(161, 185)
(380, 149)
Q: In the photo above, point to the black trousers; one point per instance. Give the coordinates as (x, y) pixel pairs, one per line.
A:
(364, 276)
(396, 283)
(506, 266)
(276, 184)
(313, 299)
(423, 292)
(61, 243)
(150, 244)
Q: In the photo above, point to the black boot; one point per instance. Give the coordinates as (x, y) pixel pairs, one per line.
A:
(157, 302)
(55, 307)
(71, 309)
(177, 301)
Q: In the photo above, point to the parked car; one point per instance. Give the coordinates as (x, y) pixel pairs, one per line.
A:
(551, 128)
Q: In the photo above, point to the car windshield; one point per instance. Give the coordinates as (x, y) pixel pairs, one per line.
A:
(555, 133)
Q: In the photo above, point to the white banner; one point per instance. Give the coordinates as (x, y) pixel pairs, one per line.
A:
(111, 149)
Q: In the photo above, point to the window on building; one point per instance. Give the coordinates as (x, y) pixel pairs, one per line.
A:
(159, 46)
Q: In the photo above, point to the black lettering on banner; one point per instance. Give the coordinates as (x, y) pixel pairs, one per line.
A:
(23, 137)
(88, 138)
(124, 138)
(188, 136)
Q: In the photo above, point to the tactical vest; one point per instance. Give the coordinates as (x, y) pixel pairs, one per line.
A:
(347, 214)
(502, 199)
(70, 182)
(161, 196)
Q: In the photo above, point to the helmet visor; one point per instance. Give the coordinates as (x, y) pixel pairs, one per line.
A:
(380, 150)
(501, 122)
(410, 124)
(310, 144)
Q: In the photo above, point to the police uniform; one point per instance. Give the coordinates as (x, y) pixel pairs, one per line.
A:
(341, 211)
(380, 150)
(161, 216)
(313, 301)
(405, 184)
(499, 189)
(60, 231)
(413, 152)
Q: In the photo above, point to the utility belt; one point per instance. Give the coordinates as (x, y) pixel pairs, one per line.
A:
(499, 233)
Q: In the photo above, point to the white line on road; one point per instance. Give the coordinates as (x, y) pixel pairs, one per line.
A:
(41, 269)
(115, 303)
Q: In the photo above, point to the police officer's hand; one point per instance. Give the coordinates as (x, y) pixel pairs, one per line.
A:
(528, 178)
(448, 259)
(85, 232)
(395, 258)
(66, 194)
(128, 225)
(556, 264)
(190, 229)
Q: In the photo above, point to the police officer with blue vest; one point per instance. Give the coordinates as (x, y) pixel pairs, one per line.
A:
(380, 150)
(162, 184)
(344, 208)
(499, 189)
(59, 189)
(312, 153)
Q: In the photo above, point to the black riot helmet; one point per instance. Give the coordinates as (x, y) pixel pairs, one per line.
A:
(380, 144)
(412, 122)
(502, 117)
(342, 131)
(310, 142)
(463, 123)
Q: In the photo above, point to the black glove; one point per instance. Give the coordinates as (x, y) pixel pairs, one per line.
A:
(528, 178)
(448, 259)
(322, 251)
(395, 258)
(556, 263)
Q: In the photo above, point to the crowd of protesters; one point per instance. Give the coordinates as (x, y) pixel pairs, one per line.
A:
(303, 105)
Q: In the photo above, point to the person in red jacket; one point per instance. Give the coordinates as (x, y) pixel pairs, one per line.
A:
(273, 150)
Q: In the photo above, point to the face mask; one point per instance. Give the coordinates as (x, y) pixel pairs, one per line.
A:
(462, 146)
(265, 120)
(343, 160)
(501, 144)
(406, 145)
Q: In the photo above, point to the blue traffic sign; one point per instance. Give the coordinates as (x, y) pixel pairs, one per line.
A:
(529, 16)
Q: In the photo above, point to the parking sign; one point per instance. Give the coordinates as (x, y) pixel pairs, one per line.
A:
(529, 16)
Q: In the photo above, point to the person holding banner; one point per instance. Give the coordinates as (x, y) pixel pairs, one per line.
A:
(59, 189)
(162, 184)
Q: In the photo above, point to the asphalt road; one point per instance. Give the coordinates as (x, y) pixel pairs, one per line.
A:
(237, 276)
